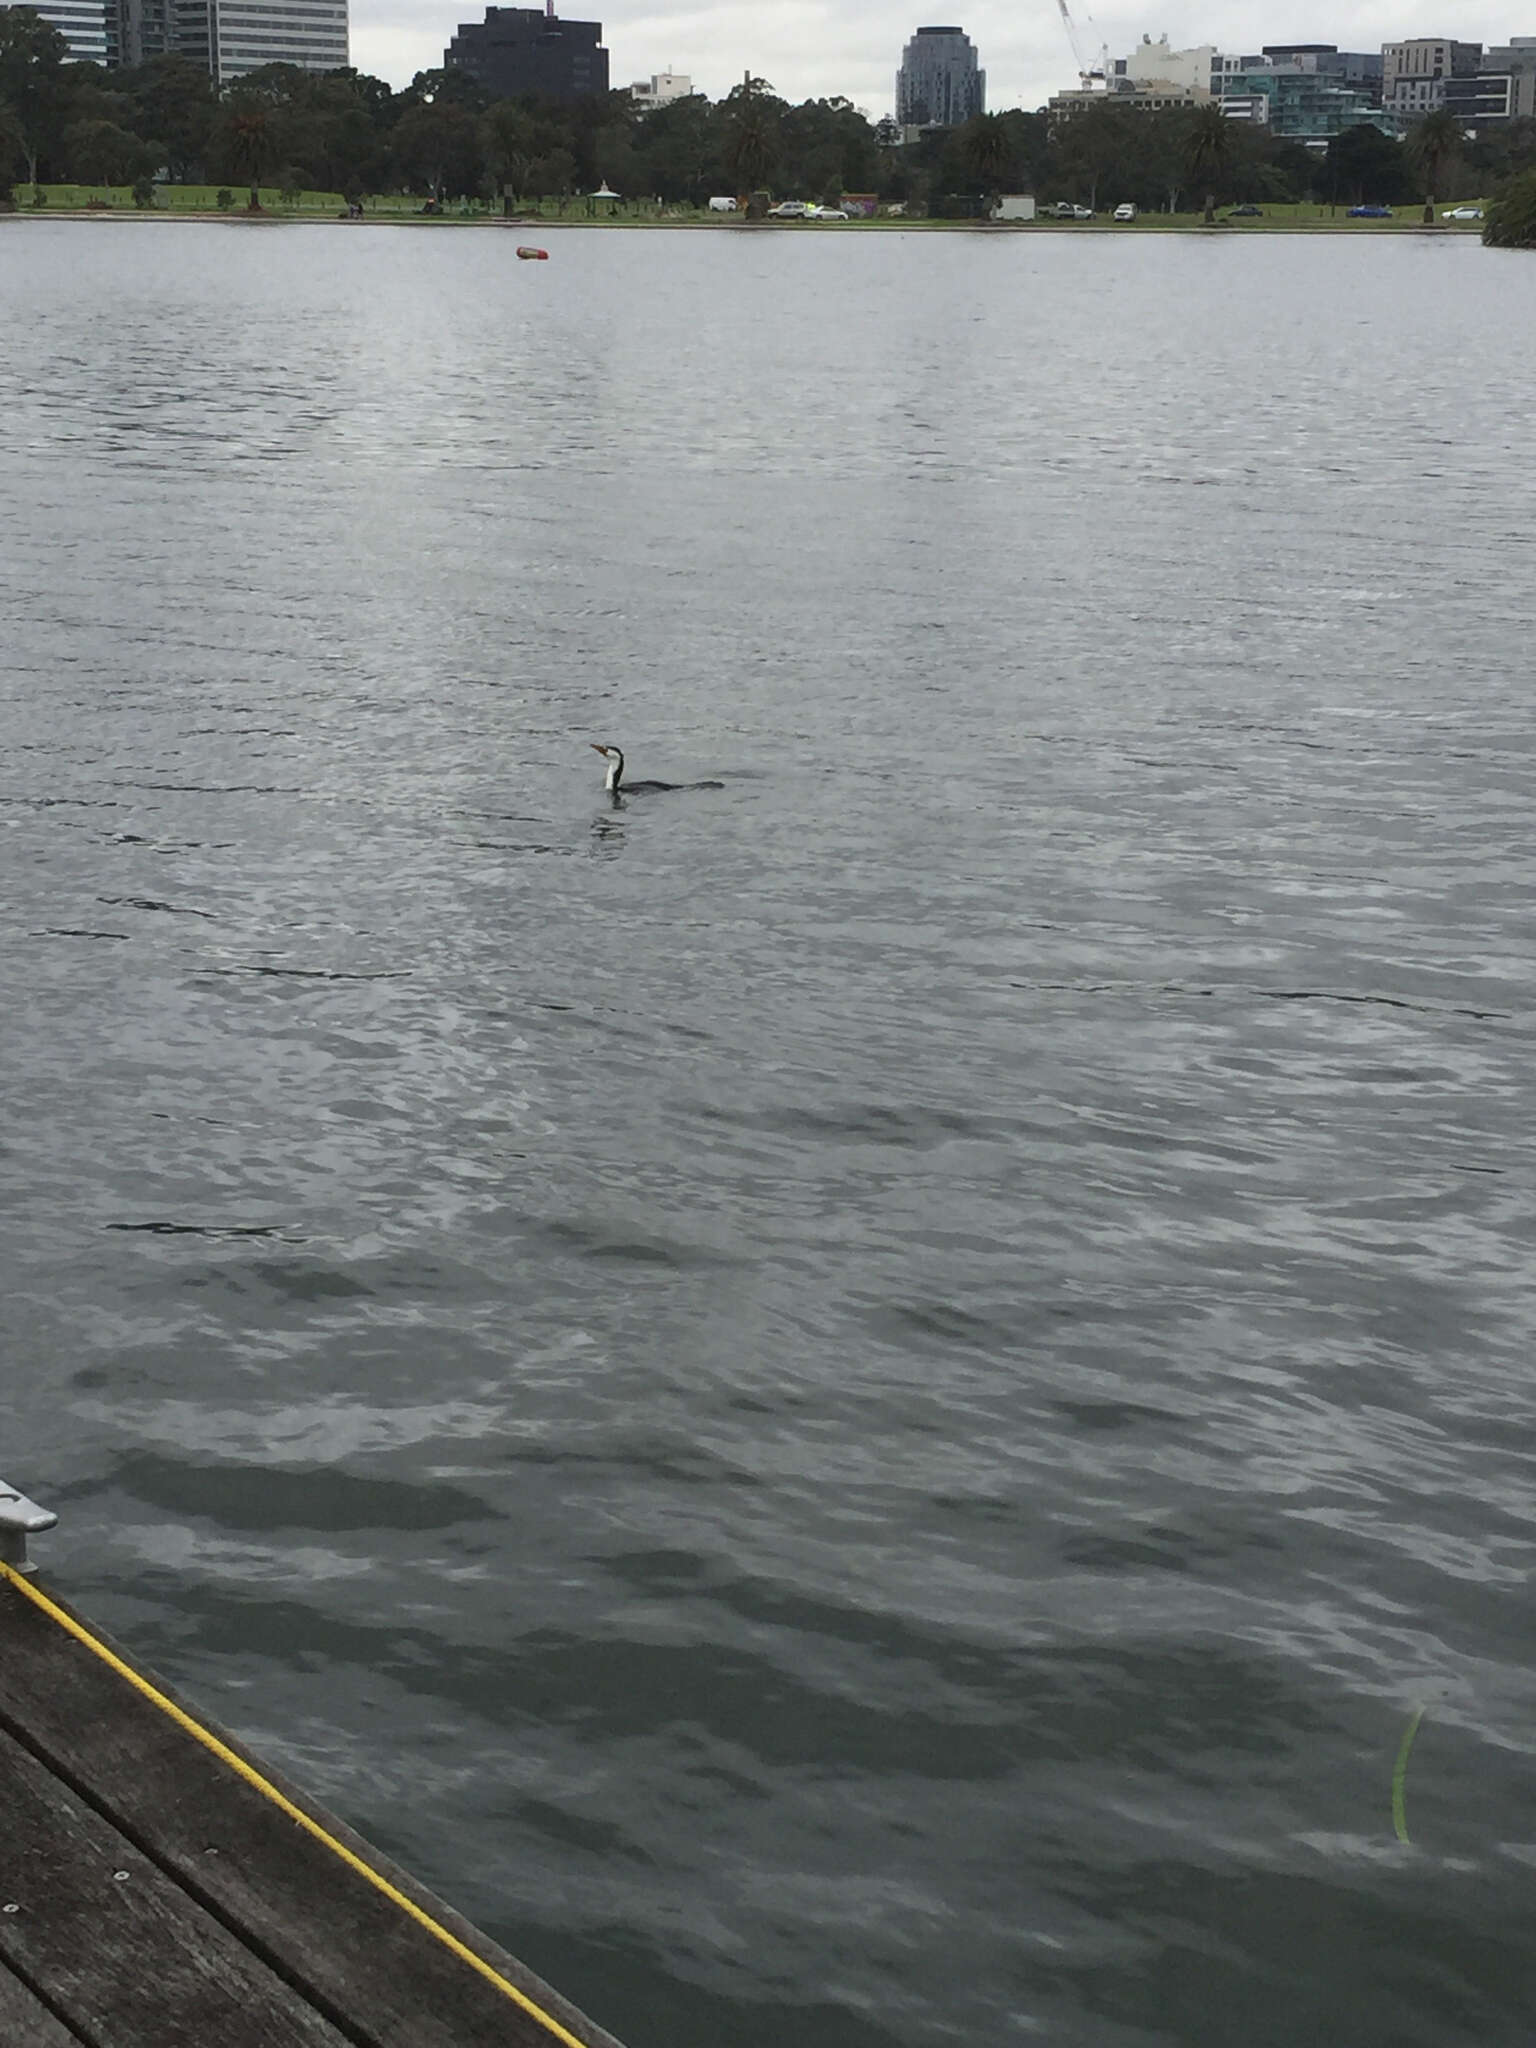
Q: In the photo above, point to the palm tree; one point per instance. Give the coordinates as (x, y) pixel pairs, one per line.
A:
(250, 142)
(986, 150)
(1434, 144)
(1208, 151)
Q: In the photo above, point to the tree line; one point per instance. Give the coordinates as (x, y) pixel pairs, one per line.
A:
(445, 138)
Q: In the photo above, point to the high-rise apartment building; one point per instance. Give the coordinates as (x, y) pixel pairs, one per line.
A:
(1413, 74)
(228, 38)
(1303, 92)
(82, 24)
(140, 29)
(1360, 70)
(249, 33)
(1503, 88)
(526, 50)
(939, 84)
(1517, 59)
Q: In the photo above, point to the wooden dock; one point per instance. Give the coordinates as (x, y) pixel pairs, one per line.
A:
(160, 1887)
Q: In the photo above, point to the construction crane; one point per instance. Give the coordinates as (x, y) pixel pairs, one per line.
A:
(1072, 35)
(1085, 71)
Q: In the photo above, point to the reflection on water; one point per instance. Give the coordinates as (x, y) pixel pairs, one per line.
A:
(870, 1418)
(608, 834)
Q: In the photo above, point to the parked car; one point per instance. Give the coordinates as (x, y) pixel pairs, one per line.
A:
(789, 209)
(1463, 213)
(1246, 212)
(1369, 213)
(722, 206)
(1064, 209)
(1082, 213)
(825, 213)
(1124, 211)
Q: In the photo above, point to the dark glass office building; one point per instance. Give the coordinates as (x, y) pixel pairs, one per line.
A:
(523, 49)
(938, 84)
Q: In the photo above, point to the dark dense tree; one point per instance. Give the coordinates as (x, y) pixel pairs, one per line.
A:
(437, 147)
(171, 100)
(1099, 142)
(1511, 222)
(1503, 151)
(678, 147)
(102, 153)
(34, 84)
(444, 85)
(10, 156)
(1365, 167)
(506, 148)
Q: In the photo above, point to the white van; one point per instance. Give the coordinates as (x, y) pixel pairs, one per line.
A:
(722, 206)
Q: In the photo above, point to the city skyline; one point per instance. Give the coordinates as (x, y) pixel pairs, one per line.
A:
(810, 49)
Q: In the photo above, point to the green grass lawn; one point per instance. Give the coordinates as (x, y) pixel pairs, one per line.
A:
(1304, 214)
(327, 205)
(204, 199)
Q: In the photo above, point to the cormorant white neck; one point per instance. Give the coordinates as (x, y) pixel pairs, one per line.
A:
(614, 756)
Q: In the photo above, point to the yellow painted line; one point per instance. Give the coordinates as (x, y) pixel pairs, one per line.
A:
(253, 1777)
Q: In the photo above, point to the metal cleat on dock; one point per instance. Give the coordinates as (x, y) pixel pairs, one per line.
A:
(19, 1519)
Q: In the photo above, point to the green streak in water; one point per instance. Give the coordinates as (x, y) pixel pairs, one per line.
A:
(1400, 1775)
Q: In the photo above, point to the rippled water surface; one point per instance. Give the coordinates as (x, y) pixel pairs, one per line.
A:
(853, 1408)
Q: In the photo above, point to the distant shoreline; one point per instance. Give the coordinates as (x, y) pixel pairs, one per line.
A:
(1153, 224)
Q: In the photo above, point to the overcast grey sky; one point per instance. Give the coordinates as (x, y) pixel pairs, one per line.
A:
(810, 49)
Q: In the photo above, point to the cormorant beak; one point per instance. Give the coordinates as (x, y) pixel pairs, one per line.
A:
(596, 748)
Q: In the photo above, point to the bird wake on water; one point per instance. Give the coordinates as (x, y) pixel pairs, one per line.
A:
(617, 786)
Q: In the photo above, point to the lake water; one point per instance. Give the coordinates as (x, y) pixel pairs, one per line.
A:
(853, 1408)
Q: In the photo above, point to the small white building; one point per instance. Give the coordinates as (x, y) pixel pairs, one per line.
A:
(1015, 206)
(661, 89)
(1154, 64)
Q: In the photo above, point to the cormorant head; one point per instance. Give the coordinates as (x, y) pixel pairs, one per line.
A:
(615, 759)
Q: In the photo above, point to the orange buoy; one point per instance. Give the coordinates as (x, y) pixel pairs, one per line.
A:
(532, 255)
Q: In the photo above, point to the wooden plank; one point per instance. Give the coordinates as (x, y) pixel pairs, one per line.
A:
(109, 1939)
(27, 2023)
(356, 1955)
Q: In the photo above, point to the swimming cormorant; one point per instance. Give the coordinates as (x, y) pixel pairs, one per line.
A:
(617, 786)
